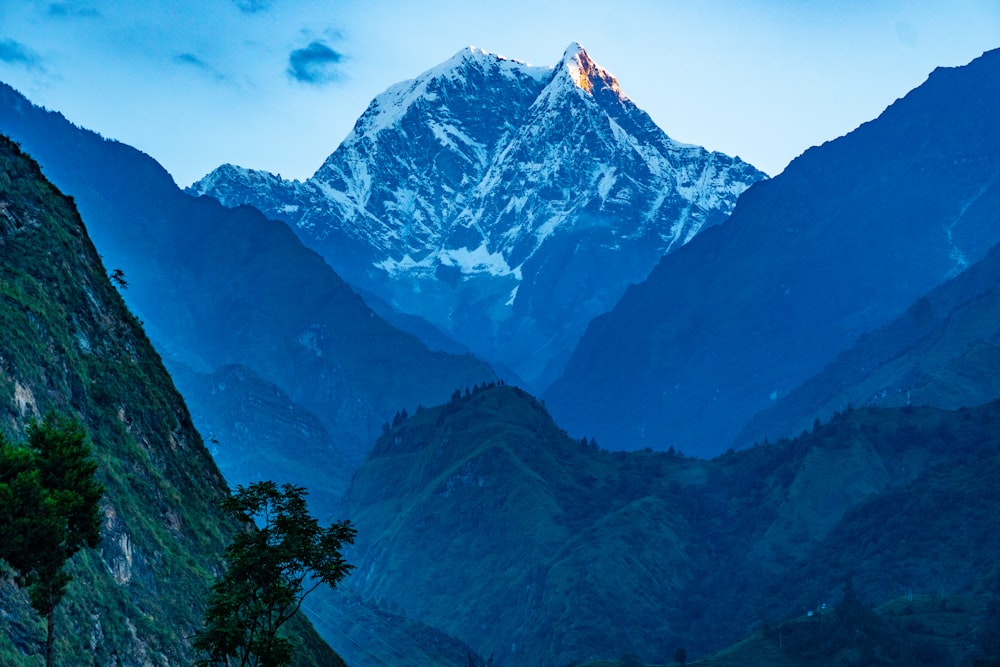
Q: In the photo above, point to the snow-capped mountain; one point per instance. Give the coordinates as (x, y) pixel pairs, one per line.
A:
(506, 204)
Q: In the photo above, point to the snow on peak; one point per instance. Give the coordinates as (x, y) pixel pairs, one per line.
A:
(387, 108)
(227, 174)
(468, 55)
(584, 72)
(474, 56)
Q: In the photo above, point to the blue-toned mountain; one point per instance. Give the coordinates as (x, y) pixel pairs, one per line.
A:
(943, 351)
(844, 240)
(483, 518)
(219, 287)
(506, 204)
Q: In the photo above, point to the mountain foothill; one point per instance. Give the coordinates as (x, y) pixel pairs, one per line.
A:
(769, 432)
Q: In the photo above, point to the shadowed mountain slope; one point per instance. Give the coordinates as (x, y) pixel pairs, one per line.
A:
(846, 238)
(943, 351)
(217, 287)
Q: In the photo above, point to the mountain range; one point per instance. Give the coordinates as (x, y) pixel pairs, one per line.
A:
(218, 289)
(850, 300)
(637, 553)
(505, 204)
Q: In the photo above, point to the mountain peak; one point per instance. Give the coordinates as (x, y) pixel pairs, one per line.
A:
(463, 195)
(470, 54)
(475, 56)
(584, 72)
(574, 50)
(388, 108)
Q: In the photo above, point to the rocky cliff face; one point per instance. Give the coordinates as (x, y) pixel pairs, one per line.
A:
(68, 343)
(504, 203)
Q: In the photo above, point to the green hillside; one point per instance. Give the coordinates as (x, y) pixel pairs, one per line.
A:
(68, 343)
(484, 509)
(482, 518)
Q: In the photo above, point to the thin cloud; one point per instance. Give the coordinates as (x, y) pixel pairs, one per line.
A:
(72, 10)
(253, 6)
(16, 53)
(315, 64)
(191, 60)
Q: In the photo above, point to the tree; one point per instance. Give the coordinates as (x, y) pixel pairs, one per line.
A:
(681, 656)
(49, 510)
(269, 572)
(118, 278)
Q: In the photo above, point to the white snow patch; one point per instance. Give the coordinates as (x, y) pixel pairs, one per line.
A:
(335, 195)
(513, 296)
(605, 177)
(405, 265)
(480, 260)
(516, 204)
(547, 228)
(677, 230)
(477, 261)
(454, 138)
(956, 255)
(360, 184)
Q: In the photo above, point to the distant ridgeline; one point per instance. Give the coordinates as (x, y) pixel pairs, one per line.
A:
(67, 342)
(481, 517)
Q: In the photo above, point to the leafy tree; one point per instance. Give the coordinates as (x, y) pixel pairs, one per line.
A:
(49, 510)
(269, 573)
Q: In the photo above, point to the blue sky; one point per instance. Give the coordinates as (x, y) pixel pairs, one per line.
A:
(277, 84)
